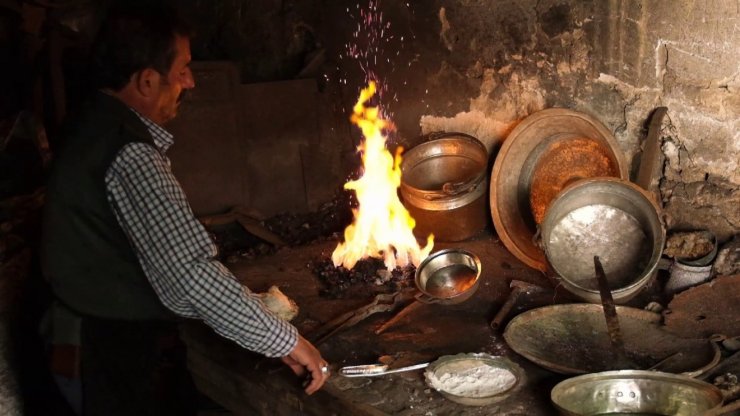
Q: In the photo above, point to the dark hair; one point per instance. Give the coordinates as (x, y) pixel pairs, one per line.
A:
(133, 37)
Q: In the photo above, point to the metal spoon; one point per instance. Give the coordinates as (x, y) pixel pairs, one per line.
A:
(371, 370)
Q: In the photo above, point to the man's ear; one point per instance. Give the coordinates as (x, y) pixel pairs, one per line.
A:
(146, 81)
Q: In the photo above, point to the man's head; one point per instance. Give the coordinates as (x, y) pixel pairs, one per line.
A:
(141, 55)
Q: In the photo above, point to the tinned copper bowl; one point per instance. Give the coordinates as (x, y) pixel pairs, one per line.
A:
(610, 218)
(471, 388)
(634, 392)
(448, 276)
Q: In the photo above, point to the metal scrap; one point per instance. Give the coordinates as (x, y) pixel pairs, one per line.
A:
(707, 309)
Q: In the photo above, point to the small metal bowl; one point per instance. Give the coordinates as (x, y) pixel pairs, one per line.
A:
(448, 276)
(634, 392)
(473, 389)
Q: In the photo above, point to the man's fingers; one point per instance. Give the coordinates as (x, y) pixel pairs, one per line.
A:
(297, 369)
(308, 356)
(318, 377)
(294, 365)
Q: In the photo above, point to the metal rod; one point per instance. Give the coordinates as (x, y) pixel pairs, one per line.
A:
(651, 161)
(400, 315)
(372, 370)
(610, 311)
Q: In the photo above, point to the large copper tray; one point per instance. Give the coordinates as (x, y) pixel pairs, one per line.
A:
(573, 339)
(544, 153)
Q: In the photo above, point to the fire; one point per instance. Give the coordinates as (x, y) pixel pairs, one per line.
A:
(382, 227)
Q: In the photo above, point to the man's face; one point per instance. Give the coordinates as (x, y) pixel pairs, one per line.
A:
(174, 83)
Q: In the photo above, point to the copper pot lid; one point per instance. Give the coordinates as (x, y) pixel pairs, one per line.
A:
(545, 152)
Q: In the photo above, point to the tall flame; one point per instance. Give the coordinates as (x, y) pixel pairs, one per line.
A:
(382, 227)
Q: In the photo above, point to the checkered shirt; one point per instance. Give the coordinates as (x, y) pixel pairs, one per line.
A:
(177, 254)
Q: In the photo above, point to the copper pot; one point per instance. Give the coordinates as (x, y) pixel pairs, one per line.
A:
(610, 218)
(443, 186)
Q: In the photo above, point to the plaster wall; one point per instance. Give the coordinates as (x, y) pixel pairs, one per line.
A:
(480, 67)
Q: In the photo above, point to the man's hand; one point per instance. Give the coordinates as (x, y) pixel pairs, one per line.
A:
(306, 357)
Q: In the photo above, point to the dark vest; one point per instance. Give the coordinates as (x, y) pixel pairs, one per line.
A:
(85, 255)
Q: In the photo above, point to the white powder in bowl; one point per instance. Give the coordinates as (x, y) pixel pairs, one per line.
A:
(471, 379)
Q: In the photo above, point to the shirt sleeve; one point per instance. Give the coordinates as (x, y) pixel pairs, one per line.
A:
(177, 254)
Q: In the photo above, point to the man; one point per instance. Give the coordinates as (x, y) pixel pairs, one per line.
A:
(121, 246)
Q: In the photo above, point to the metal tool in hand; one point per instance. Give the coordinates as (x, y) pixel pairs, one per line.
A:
(371, 370)
(383, 302)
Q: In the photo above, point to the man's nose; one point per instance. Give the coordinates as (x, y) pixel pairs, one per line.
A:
(189, 80)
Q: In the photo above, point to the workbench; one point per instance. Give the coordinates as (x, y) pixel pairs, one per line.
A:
(246, 383)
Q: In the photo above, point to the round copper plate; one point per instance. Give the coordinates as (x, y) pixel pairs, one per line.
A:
(574, 339)
(545, 152)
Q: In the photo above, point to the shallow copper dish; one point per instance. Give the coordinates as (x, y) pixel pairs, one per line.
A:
(573, 339)
(460, 363)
